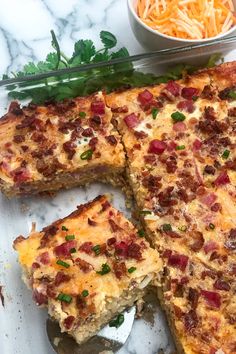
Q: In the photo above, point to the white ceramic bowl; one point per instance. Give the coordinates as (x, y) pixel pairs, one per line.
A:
(154, 40)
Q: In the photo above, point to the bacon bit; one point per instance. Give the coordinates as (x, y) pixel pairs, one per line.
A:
(178, 261)
(193, 297)
(157, 147)
(187, 106)
(231, 165)
(119, 269)
(171, 164)
(152, 183)
(221, 285)
(106, 205)
(197, 145)
(50, 230)
(86, 247)
(190, 320)
(98, 107)
(114, 226)
(210, 170)
(122, 249)
(35, 265)
(222, 179)
(165, 197)
(18, 139)
(111, 139)
(95, 122)
(173, 88)
(150, 159)
(122, 109)
(14, 108)
(19, 239)
(179, 127)
(212, 298)
(208, 199)
(231, 243)
(189, 92)
(171, 146)
(134, 251)
(208, 273)
(44, 258)
(93, 142)
(167, 254)
(232, 112)
(131, 120)
(111, 241)
(87, 132)
(140, 135)
(68, 322)
(69, 148)
(216, 207)
(2, 296)
(61, 278)
(80, 302)
(145, 97)
(63, 250)
(198, 241)
(208, 92)
(83, 265)
(210, 246)
(91, 222)
(40, 298)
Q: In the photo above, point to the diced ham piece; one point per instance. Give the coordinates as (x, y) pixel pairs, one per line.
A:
(39, 298)
(222, 179)
(171, 146)
(122, 249)
(157, 147)
(131, 120)
(86, 247)
(63, 250)
(208, 199)
(189, 92)
(212, 298)
(68, 322)
(20, 175)
(197, 145)
(210, 246)
(145, 97)
(179, 127)
(186, 106)
(98, 107)
(44, 258)
(61, 278)
(178, 261)
(173, 88)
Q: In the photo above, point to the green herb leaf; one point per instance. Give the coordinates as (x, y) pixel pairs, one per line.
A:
(105, 269)
(62, 263)
(211, 226)
(214, 58)
(97, 249)
(183, 228)
(85, 293)
(178, 116)
(132, 269)
(64, 297)
(64, 228)
(145, 212)
(84, 50)
(154, 113)
(86, 155)
(232, 94)
(118, 321)
(70, 237)
(180, 147)
(167, 227)
(225, 154)
(82, 114)
(56, 46)
(73, 250)
(108, 39)
(141, 233)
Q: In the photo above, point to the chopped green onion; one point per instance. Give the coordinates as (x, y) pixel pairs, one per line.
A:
(145, 212)
(63, 264)
(105, 269)
(183, 228)
(82, 114)
(73, 250)
(225, 154)
(141, 233)
(132, 269)
(70, 237)
(97, 249)
(167, 227)
(85, 293)
(86, 155)
(64, 297)
(155, 111)
(180, 147)
(194, 98)
(232, 94)
(211, 226)
(178, 117)
(64, 228)
(118, 321)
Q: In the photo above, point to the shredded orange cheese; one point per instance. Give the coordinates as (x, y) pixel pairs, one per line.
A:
(188, 19)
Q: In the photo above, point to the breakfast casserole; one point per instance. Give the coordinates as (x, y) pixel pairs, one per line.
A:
(87, 267)
(59, 145)
(180, 141)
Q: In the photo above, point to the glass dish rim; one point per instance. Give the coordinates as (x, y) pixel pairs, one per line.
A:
(131, 58)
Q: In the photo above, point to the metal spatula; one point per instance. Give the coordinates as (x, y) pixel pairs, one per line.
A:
(108, 339)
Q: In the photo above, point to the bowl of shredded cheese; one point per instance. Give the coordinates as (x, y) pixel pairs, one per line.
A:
(159, 24)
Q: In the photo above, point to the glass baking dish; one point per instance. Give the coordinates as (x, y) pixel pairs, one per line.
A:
(22, 324)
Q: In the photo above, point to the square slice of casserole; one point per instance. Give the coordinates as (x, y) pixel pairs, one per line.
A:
(59, 145)
(87, 267)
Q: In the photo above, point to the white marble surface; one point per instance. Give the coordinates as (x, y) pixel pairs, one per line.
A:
(25, 35)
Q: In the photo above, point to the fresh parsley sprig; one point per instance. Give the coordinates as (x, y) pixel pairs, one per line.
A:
(69, 85)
